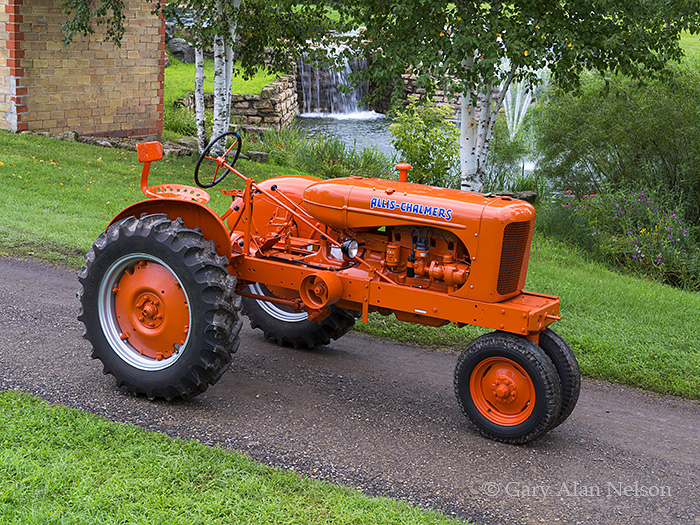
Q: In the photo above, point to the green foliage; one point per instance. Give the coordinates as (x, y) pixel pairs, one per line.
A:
(505, 167)
(438, 39)
(109, 13)
(428, 141)
(639, 232)
(625, 135)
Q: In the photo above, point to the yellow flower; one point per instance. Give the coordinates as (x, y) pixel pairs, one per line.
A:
(525, 52)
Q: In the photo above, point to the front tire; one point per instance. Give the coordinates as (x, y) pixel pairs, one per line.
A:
(285, 327)
(507, 387)
(566, 364)
(159, 308)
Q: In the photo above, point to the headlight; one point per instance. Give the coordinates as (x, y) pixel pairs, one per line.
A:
(349, 248)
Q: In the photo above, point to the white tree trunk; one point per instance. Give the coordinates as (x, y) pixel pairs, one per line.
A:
(223, 77)
(476, 131)
(200, 117)
(221, 93)
(468, 157)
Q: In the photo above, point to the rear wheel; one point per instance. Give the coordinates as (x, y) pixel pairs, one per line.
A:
(283, 326)
(159, 307)
(507, 387)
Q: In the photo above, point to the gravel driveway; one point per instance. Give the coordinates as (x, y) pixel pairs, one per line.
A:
(377, 416)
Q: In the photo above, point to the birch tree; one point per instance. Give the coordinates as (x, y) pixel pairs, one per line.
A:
(460, 46)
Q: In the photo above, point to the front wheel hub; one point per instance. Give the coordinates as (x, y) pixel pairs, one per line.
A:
(502, 391)
(505, 389)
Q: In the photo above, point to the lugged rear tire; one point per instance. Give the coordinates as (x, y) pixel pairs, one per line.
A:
(507, 387)
(285, 327)
(159, 307)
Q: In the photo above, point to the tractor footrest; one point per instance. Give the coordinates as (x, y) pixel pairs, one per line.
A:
(177, 191)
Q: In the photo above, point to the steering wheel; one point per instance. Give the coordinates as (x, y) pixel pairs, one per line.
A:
(217, 146)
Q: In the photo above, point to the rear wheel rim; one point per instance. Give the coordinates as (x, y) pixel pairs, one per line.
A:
(144, 312)
(280, 313)
(502, 391)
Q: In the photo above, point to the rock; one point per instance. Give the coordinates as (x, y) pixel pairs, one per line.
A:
(69, 136)
(170, 148)
(188, 142)
(258, 156)
(96, 141)
(529, 196)
(181, 50)
(169, 31)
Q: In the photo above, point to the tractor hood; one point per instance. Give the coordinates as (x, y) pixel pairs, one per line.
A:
(357, 202)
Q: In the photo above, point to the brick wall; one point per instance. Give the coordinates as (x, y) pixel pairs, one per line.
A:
(90, 86)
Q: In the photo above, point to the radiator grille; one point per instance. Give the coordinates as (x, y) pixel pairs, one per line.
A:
(516, 238)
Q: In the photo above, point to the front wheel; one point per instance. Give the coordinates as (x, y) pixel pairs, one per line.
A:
(507, 387)
(566, 364)
(284, 326)
(159, 307)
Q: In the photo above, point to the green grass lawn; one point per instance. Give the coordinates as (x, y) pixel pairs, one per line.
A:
(59, 196)
(690, 43)
(179, 80)
(63, 466)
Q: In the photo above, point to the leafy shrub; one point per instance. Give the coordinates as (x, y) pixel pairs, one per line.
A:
(428, 141)
(632, 230)
(505, 158)
(625, 135)
(325, 157)
(179, 120)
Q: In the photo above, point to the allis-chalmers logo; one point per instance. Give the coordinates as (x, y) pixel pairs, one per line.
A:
(409, 207)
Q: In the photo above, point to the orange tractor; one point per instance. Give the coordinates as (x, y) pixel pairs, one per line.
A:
(304, 258)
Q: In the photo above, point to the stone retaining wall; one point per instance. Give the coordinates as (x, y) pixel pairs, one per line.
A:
(274, 108)
(410, 88)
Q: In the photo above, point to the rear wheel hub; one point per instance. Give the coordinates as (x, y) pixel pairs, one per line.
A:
(144, 311)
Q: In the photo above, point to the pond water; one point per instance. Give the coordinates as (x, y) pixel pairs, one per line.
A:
(363, 129)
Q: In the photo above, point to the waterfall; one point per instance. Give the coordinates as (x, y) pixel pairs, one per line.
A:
(319, 91)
